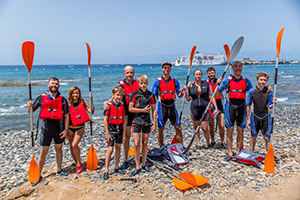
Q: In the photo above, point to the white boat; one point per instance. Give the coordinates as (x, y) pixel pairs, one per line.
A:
(200, 59)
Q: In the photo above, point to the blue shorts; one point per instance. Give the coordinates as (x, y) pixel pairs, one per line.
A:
(165, 113)
(235, 114)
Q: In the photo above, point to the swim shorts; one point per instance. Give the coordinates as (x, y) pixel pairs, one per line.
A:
(166, 112)
(263, 124)
(235, 113)
(51, 130)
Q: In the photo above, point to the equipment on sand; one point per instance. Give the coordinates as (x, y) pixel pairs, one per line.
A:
(249, 158)
(234, 51)
(28, 54)
(269, 160)
(92, 160)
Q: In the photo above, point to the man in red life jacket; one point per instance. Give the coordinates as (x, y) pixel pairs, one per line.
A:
(211, 74)
(129, 85)
(55, 121)
(235, 108)
(165, 89)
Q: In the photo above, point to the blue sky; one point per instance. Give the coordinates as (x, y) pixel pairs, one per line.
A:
(137, 31)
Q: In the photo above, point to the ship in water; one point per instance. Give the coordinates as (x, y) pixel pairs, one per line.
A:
(200, 59)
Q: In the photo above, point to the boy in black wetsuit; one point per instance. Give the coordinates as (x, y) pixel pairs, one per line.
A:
(141, 102)
(114, 124)
(260, 117)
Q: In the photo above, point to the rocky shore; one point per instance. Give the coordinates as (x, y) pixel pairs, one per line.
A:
(227, 179)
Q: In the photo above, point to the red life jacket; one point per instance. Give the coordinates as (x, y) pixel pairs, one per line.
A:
(167, 89)
(116, 115)
(237, 90)
(129, 89)
(78, 115)
(213, 87)
(51, 109)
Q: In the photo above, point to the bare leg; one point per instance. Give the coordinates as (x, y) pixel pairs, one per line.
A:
(196, 123)
(126, 142)
(43, 154)
(71, 138)
(178, 134)
(59, 155)
(204, 126)
(229, 140)
(239, 138)
(221, 126)
(252, 143)
(108, 154)
(160, 136)
(267, 140)
(76, 150)
(117, 155)
(145, 138)
(212, 129)
(136, 140)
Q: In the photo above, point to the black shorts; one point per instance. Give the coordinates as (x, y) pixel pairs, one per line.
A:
(129, 117)
(75, 129)
(197, 113)
(51, 129)
(141, 126)
(220, 106)
(165, 113)
(116, 134)
(261, 124)
(234, 114)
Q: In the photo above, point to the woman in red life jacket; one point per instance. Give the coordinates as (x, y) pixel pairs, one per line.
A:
(78, 116)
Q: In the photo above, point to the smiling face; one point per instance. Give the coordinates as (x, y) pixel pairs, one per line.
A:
(237, 68)
(262, 81)
(143, 85)
(117, 97)
(53, 85)
(129, 73)
(75, 95)
(198, 75)
(211, 75)
(166, 69)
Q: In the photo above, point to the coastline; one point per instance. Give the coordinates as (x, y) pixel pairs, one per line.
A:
(227, 179)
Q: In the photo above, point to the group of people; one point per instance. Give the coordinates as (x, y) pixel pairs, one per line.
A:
(132, 106)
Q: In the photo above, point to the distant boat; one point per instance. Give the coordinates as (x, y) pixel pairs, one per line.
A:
(200, 59)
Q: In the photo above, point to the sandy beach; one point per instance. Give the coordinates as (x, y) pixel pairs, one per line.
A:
(228, 180)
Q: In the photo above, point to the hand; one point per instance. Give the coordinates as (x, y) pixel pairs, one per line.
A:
(108, 137)
(269, 89)
(29, 106)
(219, 81)
(153, 128)
(182, 90)
(147, 109)
(216, 112)
(90, 96)
(274, 100)
(190, 84)
(106, 105)
(63, 134)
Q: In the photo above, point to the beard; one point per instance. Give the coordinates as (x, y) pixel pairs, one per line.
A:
(53, 89)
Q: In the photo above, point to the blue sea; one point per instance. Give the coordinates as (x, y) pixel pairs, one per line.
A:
(13, 107)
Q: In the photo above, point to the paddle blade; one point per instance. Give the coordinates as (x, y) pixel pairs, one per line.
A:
(269, 161)
(92, 160)
(278, 43)
(189, 178)
(34, 172)
(200, 180)
(192, 55)
(131, 151)
(174, 140)
(227, 51)
(28, 54)
(89, 54)
(236, 47)
(181, 185)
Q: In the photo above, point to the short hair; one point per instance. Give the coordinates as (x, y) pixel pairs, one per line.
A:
(198, 69)
(117, 89)
(211, 69)
(237, 62)
(53, 78)
(142, 78)
(260, 74)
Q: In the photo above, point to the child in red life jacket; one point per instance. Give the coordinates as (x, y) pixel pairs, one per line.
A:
(141, 102)
(114, 124)
(78, 116)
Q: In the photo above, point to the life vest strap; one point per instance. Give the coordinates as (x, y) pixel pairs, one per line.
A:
(243, 91)
(49, 109)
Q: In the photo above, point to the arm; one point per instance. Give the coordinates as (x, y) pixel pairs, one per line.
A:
(132, 109)
(107, 135)
(105, 104)
(88, 106)
(248, 115)
(64, 133)
(37, 103)
(153, 108)
(188, 93)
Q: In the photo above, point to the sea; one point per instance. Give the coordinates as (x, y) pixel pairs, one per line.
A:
(13, 98)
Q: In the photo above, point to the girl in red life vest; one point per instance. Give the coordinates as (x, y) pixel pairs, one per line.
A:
(78, 115)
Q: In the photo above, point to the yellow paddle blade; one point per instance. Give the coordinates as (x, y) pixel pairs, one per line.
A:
(181, 185)
(200, 180)
(92, 160)
(189, 178)
(269, 161)
(34, 172)
(278, 42)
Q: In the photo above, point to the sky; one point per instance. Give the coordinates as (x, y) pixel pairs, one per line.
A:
(139, 31)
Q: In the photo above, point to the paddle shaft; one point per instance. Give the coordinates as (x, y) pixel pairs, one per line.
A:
(274, 94)
(182, 104)
(206, 109)
(31, 115)
(90, 91)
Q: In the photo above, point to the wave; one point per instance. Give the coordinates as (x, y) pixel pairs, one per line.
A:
(282, 99)
(13, 110)
(289, 76)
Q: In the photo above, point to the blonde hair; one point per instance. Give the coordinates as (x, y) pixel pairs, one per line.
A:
(117, 89)
(142, 78)
(260, 74)
(80, 99)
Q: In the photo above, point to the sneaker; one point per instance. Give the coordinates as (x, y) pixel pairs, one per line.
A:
(228, 158)
(198, 147)
(79, 168)
(62, 173)
(35, 184)
(118, 171)
(146, 169)
(223, 146)
(105, 176)
(212, 144)
(125, 165)
(135, 172)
